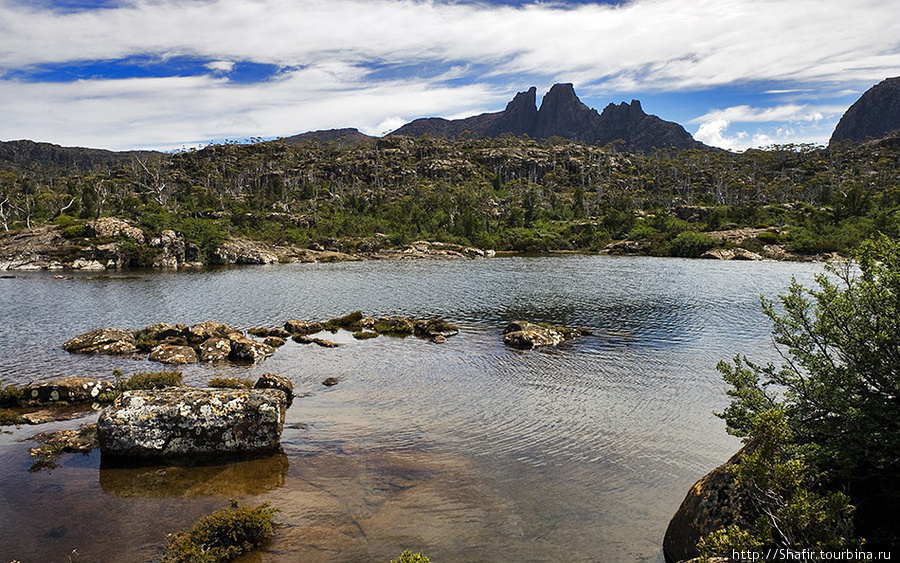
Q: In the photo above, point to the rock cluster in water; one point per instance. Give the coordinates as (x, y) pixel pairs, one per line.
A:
(524, 335)
(174, 344)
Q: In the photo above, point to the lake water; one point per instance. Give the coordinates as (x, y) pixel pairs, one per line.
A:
(466, 450)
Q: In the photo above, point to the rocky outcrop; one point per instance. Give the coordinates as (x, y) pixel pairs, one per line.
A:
(731, 254)
(713, 503)
(184, 422)
(111, 227)
(875, 115)
(562, 114)
(524, 335)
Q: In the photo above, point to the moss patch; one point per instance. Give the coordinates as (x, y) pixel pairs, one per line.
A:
(221, 536)
(153, 380)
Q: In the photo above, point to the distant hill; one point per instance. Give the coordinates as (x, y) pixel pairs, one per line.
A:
(345, 137)
(874, 115)
(32, 156)
(563, 114)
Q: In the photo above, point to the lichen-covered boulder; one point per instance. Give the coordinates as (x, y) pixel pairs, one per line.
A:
(168, 354)
(249, 351)
(185, 422)
(107, 227)
(103, 341)
(274, 381)
(67, 390)
(713, 503)
(214, 349)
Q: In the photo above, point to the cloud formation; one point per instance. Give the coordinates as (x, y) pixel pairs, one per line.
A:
(408, 58)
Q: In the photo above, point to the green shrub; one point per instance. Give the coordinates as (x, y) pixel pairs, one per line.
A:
(10, 396)
(153, 380)
(11, 418)
(364, 335)
(230, 383)
(74, 231)
(221, 536)
(689, 244)
(409, 557)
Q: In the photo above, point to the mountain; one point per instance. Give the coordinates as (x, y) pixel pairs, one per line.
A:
(344, 137)
(562, 114)
(873, 116)
(29, 155)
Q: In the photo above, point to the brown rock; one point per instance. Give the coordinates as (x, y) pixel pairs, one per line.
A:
(214, 349)
(111, 341)
(249, 351)
(303, 327)
(274, 381)
(169, 354)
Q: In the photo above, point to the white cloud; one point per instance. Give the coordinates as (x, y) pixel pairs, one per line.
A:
(641, 45)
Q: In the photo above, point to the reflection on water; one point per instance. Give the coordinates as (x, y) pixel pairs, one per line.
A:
(467, 450)
(235, 479)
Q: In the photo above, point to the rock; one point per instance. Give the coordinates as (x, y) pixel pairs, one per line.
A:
(628, 247)
(713, 503)
(240, 251)
(303, 339)
(524, 335)
(249, 351)
(273, 381)
(201, 332)
(108, 227)
(184, 422)
(169, 354)
(103, 341)
(303, 327)
(331, 381)
(436, 329)
(66, 390)
(731, 254)
(153, 335)
(391, 325)
(274, 342)
(83, 264)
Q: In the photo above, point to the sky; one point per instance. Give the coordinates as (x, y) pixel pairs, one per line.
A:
(172, 74)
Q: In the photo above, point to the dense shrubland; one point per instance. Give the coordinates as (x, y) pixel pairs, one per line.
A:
(507, 193)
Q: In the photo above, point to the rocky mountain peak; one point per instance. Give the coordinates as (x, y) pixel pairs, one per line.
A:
(874, 115)
(562, 114)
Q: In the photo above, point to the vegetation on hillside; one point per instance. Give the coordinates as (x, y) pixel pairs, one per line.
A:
(506, 193)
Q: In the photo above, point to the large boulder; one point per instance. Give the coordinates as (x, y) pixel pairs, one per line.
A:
(185, 422)
(214, 349)
(108, 227)
(713, 503)
(103, 341)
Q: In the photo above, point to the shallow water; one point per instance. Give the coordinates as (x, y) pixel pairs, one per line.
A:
(466, 450)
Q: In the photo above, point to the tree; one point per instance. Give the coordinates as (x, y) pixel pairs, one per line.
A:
(840, 382)
(829, 416)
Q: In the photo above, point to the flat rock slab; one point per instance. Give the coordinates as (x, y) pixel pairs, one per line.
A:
(185, 422)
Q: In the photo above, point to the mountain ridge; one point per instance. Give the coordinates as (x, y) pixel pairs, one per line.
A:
(563, 114)
(875, 115)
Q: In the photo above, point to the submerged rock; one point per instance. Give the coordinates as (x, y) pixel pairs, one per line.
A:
(111, 341)
(438, 330)
(184, 422)
(303, 327)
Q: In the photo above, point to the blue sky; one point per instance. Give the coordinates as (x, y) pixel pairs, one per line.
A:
(166, 74)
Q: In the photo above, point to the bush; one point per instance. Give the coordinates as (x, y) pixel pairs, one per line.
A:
(829, 415)
(153, 380)
(221, 536)
(74, 231)
(409, 557)
(10, 396)
(689, 244)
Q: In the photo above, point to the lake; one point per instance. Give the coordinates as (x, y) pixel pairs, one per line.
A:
(467, 450)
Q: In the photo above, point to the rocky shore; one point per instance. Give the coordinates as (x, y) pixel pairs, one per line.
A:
(110, 243)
